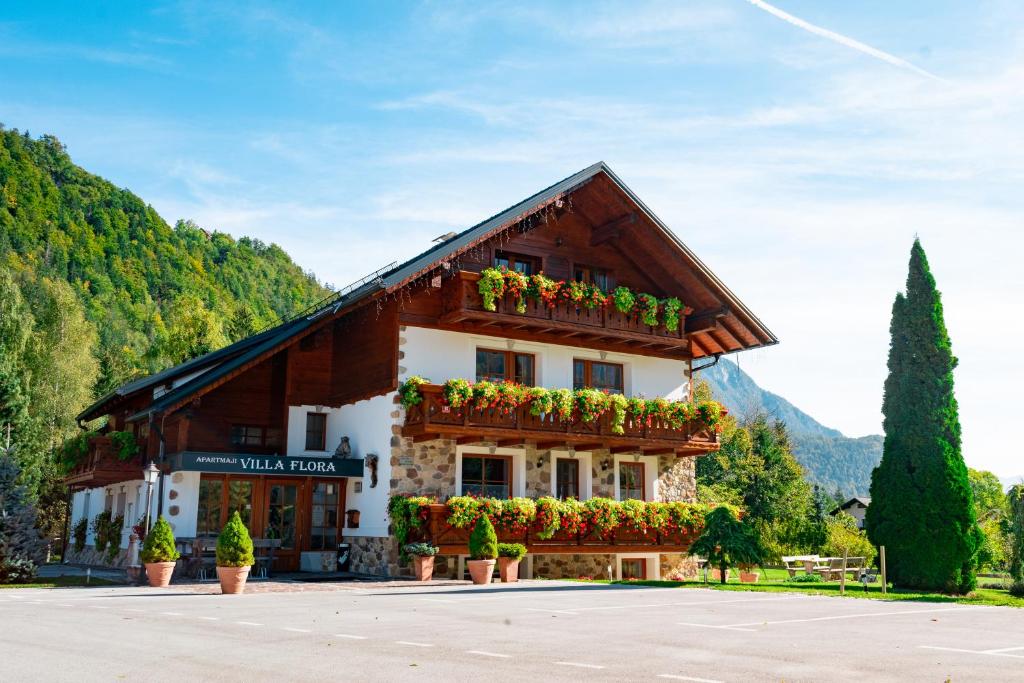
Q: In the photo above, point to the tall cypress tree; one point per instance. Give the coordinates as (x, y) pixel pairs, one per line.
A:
(921, 508)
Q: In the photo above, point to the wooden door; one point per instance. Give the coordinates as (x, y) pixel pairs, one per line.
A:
(284, 520)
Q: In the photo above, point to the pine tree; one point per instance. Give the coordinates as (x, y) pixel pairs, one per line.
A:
(921, 507)
(21, 545)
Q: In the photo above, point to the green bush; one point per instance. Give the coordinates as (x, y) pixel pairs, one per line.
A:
(1017, 590)
(79, 532)
(807, 578)
(483, 542)
(159, 545)
(421, 549)
(516, 551)
(842, 535)
(234, 545)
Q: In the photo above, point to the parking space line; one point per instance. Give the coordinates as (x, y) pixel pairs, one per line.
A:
(350, 636)
(173, 614)
(676, 677)
(836, 617)
(556, 611)
(580, 665)
(412, 644)
(723, 628)
(248, 623)
(296, 630)
(987, 653)
(483, 653)
(1003, 649)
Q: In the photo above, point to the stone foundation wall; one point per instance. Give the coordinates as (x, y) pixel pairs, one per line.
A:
(677, 478)
(374, 555)
(677, 567)
(89, 556)
(572, 566)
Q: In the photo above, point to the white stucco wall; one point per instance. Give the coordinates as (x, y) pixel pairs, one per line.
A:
(439, 355)
(133, 507)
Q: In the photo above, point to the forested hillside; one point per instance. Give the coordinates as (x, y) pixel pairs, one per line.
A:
(830, 459)
(96, 288)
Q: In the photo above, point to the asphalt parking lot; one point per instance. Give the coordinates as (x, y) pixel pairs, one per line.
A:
(544, 630)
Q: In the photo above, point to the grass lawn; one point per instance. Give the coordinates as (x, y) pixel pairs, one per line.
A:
(61, 582)
(982, 596)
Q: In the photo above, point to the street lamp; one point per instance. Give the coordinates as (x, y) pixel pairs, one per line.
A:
(150, 474)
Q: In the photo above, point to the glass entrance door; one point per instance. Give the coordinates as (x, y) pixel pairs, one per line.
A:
(283, 523)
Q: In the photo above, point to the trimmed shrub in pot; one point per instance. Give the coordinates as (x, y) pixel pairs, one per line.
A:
(159, 554)
(483, 551)
(422, 559)
(509, 555)
(234, 555)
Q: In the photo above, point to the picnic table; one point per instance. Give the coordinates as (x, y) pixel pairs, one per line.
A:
(829, 568)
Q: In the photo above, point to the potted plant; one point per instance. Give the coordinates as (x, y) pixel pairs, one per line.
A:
(483, 550)
(748, 574)
(234, 555)
(509, 555)
(159, 554)
(422, 559)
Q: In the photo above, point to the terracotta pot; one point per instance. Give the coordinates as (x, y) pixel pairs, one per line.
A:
(508, 569)
(481, 570)
(232, 579)
(159, 573)
(423, 566)
(748, 577)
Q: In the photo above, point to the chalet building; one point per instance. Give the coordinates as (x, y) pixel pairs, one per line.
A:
(301, 429)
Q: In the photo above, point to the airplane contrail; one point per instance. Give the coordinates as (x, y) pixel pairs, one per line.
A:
(842, 40)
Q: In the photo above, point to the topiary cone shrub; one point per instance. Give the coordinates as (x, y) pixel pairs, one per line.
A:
(159, 554)
(483, 551)
(234, 555)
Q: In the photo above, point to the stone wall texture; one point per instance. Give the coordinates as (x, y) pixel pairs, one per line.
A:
(677, 478)
(89, 556)
(374, 555)
(423, 469)
(678, 567)
(558, 566)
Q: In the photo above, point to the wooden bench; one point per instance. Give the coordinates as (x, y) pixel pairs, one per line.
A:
(263, 549)
(200, 556)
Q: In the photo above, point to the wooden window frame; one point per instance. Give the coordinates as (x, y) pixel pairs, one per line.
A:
(609, 275)
(588, 368)
(244, 444)
(322, 417)
(510, 364)
(225, 498)
(643, 567)
(579, 475)
(512, 256)
(643, 478)
(509, 468)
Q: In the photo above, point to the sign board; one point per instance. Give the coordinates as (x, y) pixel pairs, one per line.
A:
(283, 465)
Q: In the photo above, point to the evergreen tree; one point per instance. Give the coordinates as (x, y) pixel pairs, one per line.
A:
(921, 508)
(1016, 502)
(21, 546)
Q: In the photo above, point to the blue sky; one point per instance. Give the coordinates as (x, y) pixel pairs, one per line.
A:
(798, 165)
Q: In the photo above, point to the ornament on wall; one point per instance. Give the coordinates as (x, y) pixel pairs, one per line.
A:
(344, 449)
(371, 462)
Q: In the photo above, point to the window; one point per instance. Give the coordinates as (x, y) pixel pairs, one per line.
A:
(504, 366)
(631, 480)
(567, 478)
(597, 375)
(489, 476)
(595, 276)
(211, 492)
(247, 435)
(316, 431)
(634, 568)
(527, 265)
(324, 532)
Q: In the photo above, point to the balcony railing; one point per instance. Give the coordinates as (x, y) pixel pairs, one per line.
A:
(101, 466)
(433, 418)
(601, 327)
(454, 541)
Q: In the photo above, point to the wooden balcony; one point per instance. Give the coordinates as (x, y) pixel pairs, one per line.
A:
(602, 328)
(454, 541)
(433, 419)
(102, 467)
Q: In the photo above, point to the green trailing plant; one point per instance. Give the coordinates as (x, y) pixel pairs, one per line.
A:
(514, 551)
(234, 545)
(647, 309)
(100, 530)
(457, 393)
(727, 542)
(407, 513)
(671, 307)
(75, 450)
(491, 287)
(409, 392)
(79, 533)
(922, 507)
(624, 300)
(420, 549)
(159, 544)
(618, 404)
(113, 540)
(126, 446)
(483, 542)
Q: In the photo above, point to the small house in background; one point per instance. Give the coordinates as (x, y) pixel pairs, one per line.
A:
(856, 507)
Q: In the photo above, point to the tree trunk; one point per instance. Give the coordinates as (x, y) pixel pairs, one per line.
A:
(722, 569)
